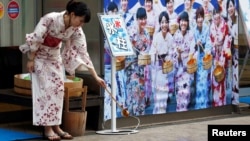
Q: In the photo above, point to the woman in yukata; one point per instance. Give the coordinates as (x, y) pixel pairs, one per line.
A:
(46, 63)
(221, 50)
(188, 7)
(184, 44)
(232, 15)
(222, 7)
(135, 73)
(203, 47)
(208, 11)
(112, 9)
(152, 27)
(124, 11)
(172, 16)
(151, 18)
(161, 50)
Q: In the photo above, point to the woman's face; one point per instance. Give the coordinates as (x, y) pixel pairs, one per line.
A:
(148, 5)
(231, 9)
(206, 3)
(216, 19)
(76, 21)
(142, 22)
(183, 25)
(124, 5)
(164, 24)
(187, 4)
(170, 6)
(199, 21)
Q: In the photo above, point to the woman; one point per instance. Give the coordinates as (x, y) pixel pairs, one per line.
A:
(137, 76)
(208, 11)
(184, 42)
(219, 35)
(203, 76)
(161, 51)
(151, 18)
(173, 25)
(188, 7)
(233, 30)
(124, 11)
(47, 64)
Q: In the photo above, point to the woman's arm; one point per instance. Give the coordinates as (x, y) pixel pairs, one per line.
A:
(99, 80)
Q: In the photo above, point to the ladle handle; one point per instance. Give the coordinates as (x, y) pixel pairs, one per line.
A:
(113, 98)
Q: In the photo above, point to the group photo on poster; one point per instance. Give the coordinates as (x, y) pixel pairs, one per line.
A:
(185, 56)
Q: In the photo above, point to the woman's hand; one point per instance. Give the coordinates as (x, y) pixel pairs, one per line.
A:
(30, 66)
(101, 82)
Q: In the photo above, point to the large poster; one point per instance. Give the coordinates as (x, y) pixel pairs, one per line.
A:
(186, 56)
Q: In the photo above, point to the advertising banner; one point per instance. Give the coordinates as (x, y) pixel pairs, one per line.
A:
(186, 56)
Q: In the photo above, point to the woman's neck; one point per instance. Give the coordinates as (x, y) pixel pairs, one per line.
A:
(66, 19)
(233, 18)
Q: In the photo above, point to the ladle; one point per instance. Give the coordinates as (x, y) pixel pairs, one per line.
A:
(124, 112)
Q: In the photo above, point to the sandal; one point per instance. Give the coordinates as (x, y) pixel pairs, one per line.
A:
(65, 135)
(54, 137)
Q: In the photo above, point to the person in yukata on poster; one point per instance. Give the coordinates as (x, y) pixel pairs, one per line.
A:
(46, 63)
(151, 18)
(222, 7)
(161, 51)
(135, 73)
(221, 50)
(173, 25)
(188, 7)
(232, 15)
(112, 9)
(184, 44)
(203, 73)
(152, 27)
(124, 11)
(208, 11)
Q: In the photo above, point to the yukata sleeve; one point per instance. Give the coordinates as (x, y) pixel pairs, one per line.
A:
(153, 50)
(191, 41)
(208, 44)
(75, 54)
(36, 38)
(174, 52)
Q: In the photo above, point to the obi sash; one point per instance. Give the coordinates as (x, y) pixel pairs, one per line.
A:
(51, 41)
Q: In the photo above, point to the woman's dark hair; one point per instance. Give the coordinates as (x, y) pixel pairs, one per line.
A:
(167, 1)
(199, 12)
(228, 1)
(163, 14)
(141, 13)
(184, 16)
(216, 11)
(80, 9)
(112, 6)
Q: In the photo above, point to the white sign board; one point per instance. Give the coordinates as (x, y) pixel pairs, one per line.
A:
(115, 31)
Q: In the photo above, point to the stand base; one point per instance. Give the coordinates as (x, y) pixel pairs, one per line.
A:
(117, 132)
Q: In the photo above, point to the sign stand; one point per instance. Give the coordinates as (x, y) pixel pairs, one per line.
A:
(111, 24)
(114, 130)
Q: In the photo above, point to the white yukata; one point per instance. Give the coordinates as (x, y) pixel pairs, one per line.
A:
(48, 77)
(162, 83)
